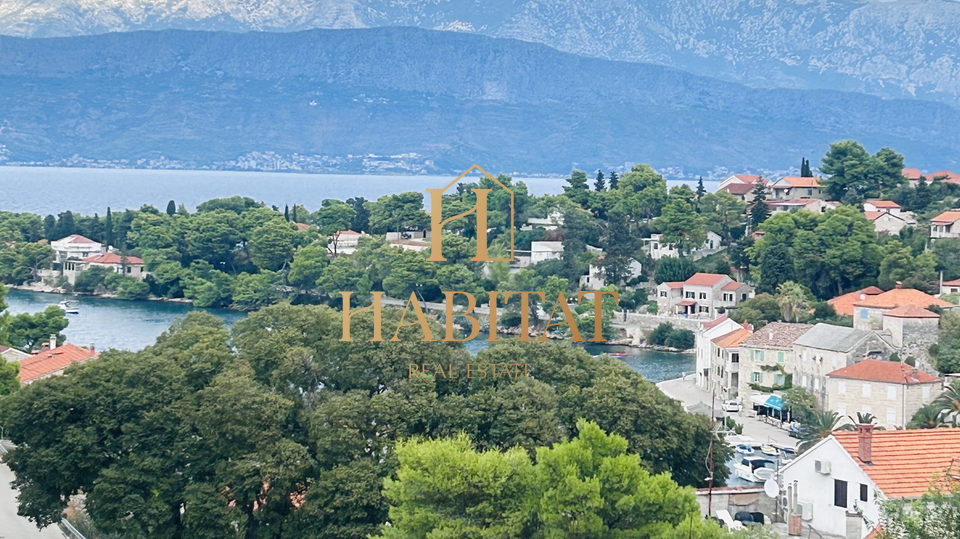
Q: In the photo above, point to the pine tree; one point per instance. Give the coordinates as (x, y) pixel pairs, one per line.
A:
(599, 185)
(286, 213)
(50, 227)
(171, 208)
(760, 211)
(700, 189)
(614, 180)
(805, 171)
(108, 228)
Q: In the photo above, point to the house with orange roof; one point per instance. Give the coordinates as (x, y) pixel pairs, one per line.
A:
(844, 304)
(950, 287)
(945, 225)
(912, 174)
(825, 348)
(816, 205)
(891, 391)
(767, 360)
(743, 179)
(128, 266)
(656, 248)
(945, 176)
(842, 480)
(54, 361)
(797, 187)
(702, 295)
(706, 332)
(724, 376)
(888, 206)
(889, 223)
(344, 242)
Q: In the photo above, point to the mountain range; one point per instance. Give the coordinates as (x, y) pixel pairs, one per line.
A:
(425, 101)
(893, 48)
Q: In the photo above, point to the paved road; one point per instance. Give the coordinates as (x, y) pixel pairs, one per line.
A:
(686, 391)
(13, 526)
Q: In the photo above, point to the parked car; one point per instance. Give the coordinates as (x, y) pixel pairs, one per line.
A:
(795, 430)
(732, 406)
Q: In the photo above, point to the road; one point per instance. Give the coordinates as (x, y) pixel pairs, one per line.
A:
(686, 391)
(12, 525)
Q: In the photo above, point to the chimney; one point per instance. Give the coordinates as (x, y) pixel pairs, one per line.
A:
(899, 284)
(865, 447)
(93, 348)
(53, 341)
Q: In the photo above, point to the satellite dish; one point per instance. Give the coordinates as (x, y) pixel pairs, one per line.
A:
(771, 488)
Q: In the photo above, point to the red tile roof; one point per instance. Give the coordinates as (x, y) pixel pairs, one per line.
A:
(891, 372)
(912, 173)
(947, 217)
(883, 203)
(955, 282)
(705, 279)
(844, 304)
(77, 238)
(749, 178)
(732, 339)
(303, 227)
(738, 188)
(797, 181)
(950, 177)
(733, 285)
(905, 463)
(673, 284)
(113, 258)
(713, 323)
(777, 335)
(901, 296)
(687, 303)
(911, 311)
(53, 361)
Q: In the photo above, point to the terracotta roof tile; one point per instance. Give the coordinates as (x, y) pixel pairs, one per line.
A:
(948, 176)
(113, 258)
(732, 339)
(905, 463)
(776, 335)
(912, 173)
(733, 285)
(51, 361)
(947, 217)
(77, 238)
(738, 188)
(749, 178)
(705, 279)
(797, 181)
(911, 311)
(673, 284)
(883, 204)
(713, 323)
(844, 304)
(901, 296)
(892, 372)
(955, 282)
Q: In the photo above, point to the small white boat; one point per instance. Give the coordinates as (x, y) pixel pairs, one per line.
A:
(770, 450)
(755, 469)
(744, 449)
(68, 307)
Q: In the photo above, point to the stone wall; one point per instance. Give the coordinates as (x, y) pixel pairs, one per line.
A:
(917, 335)
(736, 499)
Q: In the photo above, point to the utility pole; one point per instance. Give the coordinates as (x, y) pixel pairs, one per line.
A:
(713, 399)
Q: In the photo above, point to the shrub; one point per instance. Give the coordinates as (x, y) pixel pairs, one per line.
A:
(681, 339)
(658, 337)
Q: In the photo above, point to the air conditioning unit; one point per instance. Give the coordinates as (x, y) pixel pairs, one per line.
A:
(806, 510)
(822, 466)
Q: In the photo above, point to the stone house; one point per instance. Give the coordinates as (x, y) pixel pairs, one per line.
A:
(796, 188)
(74, 248)
(13, 355)
(815, 205)
(890, 390)
(541, 251)
(767, 358)
(945, 225)
(902, 312)
(701, 295)
(826, 348)
(128, 266)
(724, 374)
(656, 248)
(950, 287)
(888, 223)
(706, 332)
(841, 481)
(843, 304)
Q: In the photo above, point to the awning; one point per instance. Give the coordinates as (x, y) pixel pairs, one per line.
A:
(687, 303)
(770, 401)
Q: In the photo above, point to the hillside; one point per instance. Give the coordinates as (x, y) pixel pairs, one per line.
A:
(895, 48)
(437, 101)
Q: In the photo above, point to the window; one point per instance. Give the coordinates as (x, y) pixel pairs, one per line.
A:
(863, 492)
(743, 297)
(779, 379)
(926, 393)
(891, 416)
(758, 355)
(663, 294)
(867, 390)
(704, 309)
(690, 295)
(805, 380)
(735, 358)
(809, 192)
(816, 384)
(703, 295)
(780, 358)
(841, 388)
(129, 269)
(863, 314)
(756, 377)
(839, 493)
(892, 393)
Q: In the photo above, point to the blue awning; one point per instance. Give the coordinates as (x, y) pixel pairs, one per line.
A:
(774, 402)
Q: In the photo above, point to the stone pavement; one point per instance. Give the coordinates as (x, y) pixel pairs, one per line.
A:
(686, 391)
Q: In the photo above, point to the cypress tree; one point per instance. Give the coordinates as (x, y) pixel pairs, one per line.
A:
(614, 180)
(108, 228)
(286, 213)
(805, 171)
(293, 214)
(50, 227)
(171, 208)
(599, 185)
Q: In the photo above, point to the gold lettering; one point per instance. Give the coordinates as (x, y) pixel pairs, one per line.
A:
(526, 371)
(481, 370)
(598, 310)
(524, 312)
(414, 370)
(421, 319)
(347, 315)
(450, 372)
(568, 319)
(474, 323)
(439, 370)
(493, 316)
(437, 221)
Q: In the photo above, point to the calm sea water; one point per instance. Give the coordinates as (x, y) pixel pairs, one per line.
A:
(132, 325)
(50, 190)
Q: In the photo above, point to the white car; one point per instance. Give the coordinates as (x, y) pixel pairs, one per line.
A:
(732, 406)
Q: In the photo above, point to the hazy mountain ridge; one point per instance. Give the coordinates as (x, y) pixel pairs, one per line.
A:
(896, 48)
(450, 99)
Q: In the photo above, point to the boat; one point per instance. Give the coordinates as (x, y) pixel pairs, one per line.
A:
(618, 354)
(755, 469)
(770, 450)
(68, 307)
(744, 449)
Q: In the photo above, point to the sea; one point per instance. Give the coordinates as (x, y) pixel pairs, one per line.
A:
(51, 190)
